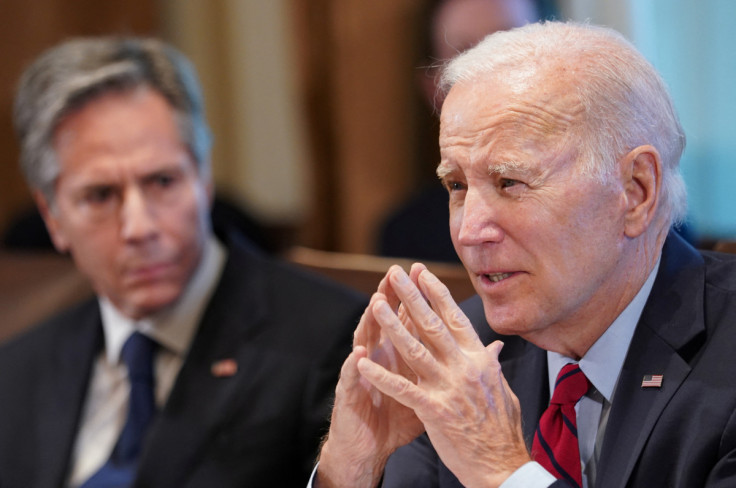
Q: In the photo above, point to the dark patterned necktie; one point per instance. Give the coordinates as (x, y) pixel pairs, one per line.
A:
(119, 470)
(555, 443)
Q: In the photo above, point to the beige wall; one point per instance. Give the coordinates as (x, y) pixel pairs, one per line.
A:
(262, 62)
(244, 53)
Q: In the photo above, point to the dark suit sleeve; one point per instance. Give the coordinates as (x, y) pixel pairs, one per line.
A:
(415, 464)
(723, 473)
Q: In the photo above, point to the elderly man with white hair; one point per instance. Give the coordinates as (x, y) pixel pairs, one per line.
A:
(608, 361)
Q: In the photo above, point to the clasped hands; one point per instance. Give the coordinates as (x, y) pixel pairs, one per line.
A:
(418, 365)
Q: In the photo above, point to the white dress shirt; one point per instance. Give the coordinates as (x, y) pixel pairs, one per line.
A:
(106, 403)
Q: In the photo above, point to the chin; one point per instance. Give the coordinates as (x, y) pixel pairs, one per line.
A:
(505, 322)
(507, 330)
(146, 303)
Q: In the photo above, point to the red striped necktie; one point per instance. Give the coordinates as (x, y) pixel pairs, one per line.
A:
(555, 444)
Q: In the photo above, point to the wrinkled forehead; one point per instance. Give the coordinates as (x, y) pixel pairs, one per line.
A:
(525, 103)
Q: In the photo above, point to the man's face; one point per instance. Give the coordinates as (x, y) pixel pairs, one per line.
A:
(130, 206)
(541, 241)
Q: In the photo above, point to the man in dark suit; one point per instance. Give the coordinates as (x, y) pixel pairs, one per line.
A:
(201, 362)
(609, 361)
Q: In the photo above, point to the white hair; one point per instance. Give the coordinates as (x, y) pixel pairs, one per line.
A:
(625, 102)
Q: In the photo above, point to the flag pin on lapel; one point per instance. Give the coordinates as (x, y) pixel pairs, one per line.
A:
(652, 381)
(224, 368)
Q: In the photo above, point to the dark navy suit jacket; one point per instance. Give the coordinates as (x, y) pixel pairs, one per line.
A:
(289, 333)
(680, 435)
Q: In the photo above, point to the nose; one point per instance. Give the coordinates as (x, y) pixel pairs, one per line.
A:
(477, 220)
(138, 222)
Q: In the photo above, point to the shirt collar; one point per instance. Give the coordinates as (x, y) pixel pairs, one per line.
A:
(174, 327)
(605, 358)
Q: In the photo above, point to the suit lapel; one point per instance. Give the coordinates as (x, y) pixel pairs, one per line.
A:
(635, 409)
(62, 391)
(527, 377)
(671, 322)
(199, 398)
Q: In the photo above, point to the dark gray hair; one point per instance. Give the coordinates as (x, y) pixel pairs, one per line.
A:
(66, 77)
(626, 103)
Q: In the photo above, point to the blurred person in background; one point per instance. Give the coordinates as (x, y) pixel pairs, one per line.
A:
(417, 229)
(200, 362)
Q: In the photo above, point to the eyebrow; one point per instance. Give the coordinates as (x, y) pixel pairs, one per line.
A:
(508, 167)
(443, 170)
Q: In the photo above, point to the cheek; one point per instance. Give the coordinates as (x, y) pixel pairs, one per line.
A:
(587, 243)
(455, 222)
(96, 256)
(86, 240)
(574, 218)
(187, 222)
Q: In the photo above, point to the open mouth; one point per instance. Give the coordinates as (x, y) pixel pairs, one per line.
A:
(496, 277)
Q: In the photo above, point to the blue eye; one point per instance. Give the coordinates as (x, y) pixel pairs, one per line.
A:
(454, 186)
(507, 182)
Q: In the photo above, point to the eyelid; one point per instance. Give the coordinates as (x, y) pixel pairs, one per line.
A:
(97, 193)
(453, 184)
(168, 175)
(159, 177)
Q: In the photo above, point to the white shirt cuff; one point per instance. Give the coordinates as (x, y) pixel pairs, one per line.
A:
(530, 475)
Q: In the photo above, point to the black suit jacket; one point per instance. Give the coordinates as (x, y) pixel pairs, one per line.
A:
(289, 333)
(680, 435)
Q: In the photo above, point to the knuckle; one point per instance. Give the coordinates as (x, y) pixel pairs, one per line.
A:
(492, 364)
(414, 295)
(495, 368)
(443, 292)
(456, 316)
(403, 388)
(416, 352)
(471, 373)
(430, 408)
(434, 325)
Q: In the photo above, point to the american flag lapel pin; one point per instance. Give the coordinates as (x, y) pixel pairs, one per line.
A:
(652, 381)
(224, 368)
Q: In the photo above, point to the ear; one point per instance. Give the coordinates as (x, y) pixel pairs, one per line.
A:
(51, 220)
(642, 177)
